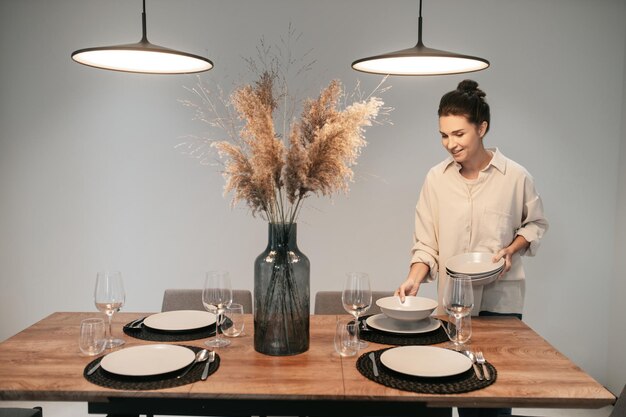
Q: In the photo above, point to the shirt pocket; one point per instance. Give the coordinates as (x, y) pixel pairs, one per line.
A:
(496, 231)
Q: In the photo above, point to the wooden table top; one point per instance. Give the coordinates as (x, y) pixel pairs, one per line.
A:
(43, 363)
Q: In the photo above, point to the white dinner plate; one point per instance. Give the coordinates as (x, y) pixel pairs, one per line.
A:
(179, 320)
(425, 361)
(147, 360)
(477, 276)
(473, 263)
(386, 324)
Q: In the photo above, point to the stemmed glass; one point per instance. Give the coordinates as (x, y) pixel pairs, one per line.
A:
(357, 298)
(458, 301)
(216, 296)
(109, 297)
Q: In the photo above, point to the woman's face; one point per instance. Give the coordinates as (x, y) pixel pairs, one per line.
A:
(462, 139)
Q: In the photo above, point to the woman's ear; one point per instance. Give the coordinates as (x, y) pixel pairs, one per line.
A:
(482, 129)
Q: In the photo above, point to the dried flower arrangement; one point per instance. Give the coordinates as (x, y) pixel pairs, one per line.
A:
(273, 173)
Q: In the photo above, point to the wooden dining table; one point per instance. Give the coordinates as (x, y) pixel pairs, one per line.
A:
(44, 363)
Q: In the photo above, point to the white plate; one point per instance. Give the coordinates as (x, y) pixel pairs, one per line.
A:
(147, 360)
(425, 361)
(473, 263)
(476, 276)
(179, 320)
(386, 324)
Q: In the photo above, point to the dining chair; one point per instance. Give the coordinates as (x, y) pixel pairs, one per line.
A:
(329, 302)
(21, 412)
(619, 408)
(191, 299)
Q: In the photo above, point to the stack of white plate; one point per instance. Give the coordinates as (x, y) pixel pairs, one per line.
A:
(477, 265)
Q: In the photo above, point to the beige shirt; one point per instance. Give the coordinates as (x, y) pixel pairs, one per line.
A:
(455, 215)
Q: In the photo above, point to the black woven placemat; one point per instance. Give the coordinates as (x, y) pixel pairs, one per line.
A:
(145, 333)
(169, 380)
(377, 336)
(456, 384)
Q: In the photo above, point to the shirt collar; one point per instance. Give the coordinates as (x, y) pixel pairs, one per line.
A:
(498, 161)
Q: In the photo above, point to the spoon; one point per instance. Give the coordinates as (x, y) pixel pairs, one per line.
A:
(470, 355)
(201, 356)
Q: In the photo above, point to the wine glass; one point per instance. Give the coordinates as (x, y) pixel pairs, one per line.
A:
(109, 297)
(357, 297)
(216, 296)
(458, 301)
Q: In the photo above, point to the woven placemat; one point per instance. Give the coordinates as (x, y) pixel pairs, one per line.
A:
(169, 380)
(456, 384)
(377, 336)
(145, 333)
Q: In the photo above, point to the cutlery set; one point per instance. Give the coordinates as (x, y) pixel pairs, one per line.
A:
(203, 355)
(135, 324)
(478, 359)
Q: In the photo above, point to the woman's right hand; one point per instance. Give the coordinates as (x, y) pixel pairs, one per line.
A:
(417, 273)
(408, 287)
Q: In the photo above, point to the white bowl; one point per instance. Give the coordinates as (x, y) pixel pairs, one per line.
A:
(413, 308)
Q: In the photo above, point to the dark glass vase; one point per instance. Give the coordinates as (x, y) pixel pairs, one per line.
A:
(281, 294)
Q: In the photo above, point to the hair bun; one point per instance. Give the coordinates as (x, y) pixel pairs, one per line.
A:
(470, 87)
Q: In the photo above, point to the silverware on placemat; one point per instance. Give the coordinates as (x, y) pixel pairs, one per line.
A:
(135, 324)
(205, 373)
(93, 368)
(372, 356)
(201, 356)
(481, 360)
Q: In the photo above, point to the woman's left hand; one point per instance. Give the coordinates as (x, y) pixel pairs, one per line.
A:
(506, 254)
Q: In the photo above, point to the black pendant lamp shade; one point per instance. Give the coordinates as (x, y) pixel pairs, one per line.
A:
(142, 57)
(420, 60)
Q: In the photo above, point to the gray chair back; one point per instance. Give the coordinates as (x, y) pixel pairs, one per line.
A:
(329, 302)
(191, 299)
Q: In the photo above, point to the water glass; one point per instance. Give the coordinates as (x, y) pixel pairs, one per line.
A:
(346, 337)
(357, 296)
(92, 339)
(460, 330)
(232, 325)
(109, 297)
(217, 295)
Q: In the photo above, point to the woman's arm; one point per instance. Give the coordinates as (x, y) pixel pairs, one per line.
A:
(417, 273)
(518, 244)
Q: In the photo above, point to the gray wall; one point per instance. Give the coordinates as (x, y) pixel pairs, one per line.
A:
(616, 375)
(90, 179)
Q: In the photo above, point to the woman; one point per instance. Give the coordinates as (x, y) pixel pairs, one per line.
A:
(477, 200)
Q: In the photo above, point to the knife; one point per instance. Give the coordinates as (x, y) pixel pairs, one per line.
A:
(374, 366)
(93, 368)
(135, 324)
(205, 373)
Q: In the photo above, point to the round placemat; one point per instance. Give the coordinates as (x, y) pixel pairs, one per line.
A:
(169, 380)
(145, 333)
(456, 384)
(399, 339)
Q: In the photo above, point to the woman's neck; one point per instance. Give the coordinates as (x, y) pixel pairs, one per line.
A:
(471, 169)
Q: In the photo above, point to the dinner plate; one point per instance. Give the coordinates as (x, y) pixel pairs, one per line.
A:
(473, 263)
(425, 361)
(476, 276)
(389, 325)
(179, 320)
(147, 360)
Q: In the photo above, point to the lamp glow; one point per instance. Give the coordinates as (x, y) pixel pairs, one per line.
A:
(420, 60)
(142, 57)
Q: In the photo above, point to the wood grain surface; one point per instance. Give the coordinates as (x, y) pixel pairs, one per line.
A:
(44, 363)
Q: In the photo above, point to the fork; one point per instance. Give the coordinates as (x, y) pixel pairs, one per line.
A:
(481, 360)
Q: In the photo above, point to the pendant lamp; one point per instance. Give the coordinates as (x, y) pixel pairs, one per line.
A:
(142, 57)
(420, 60)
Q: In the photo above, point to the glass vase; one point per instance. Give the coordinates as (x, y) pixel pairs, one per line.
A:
(281, 294)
